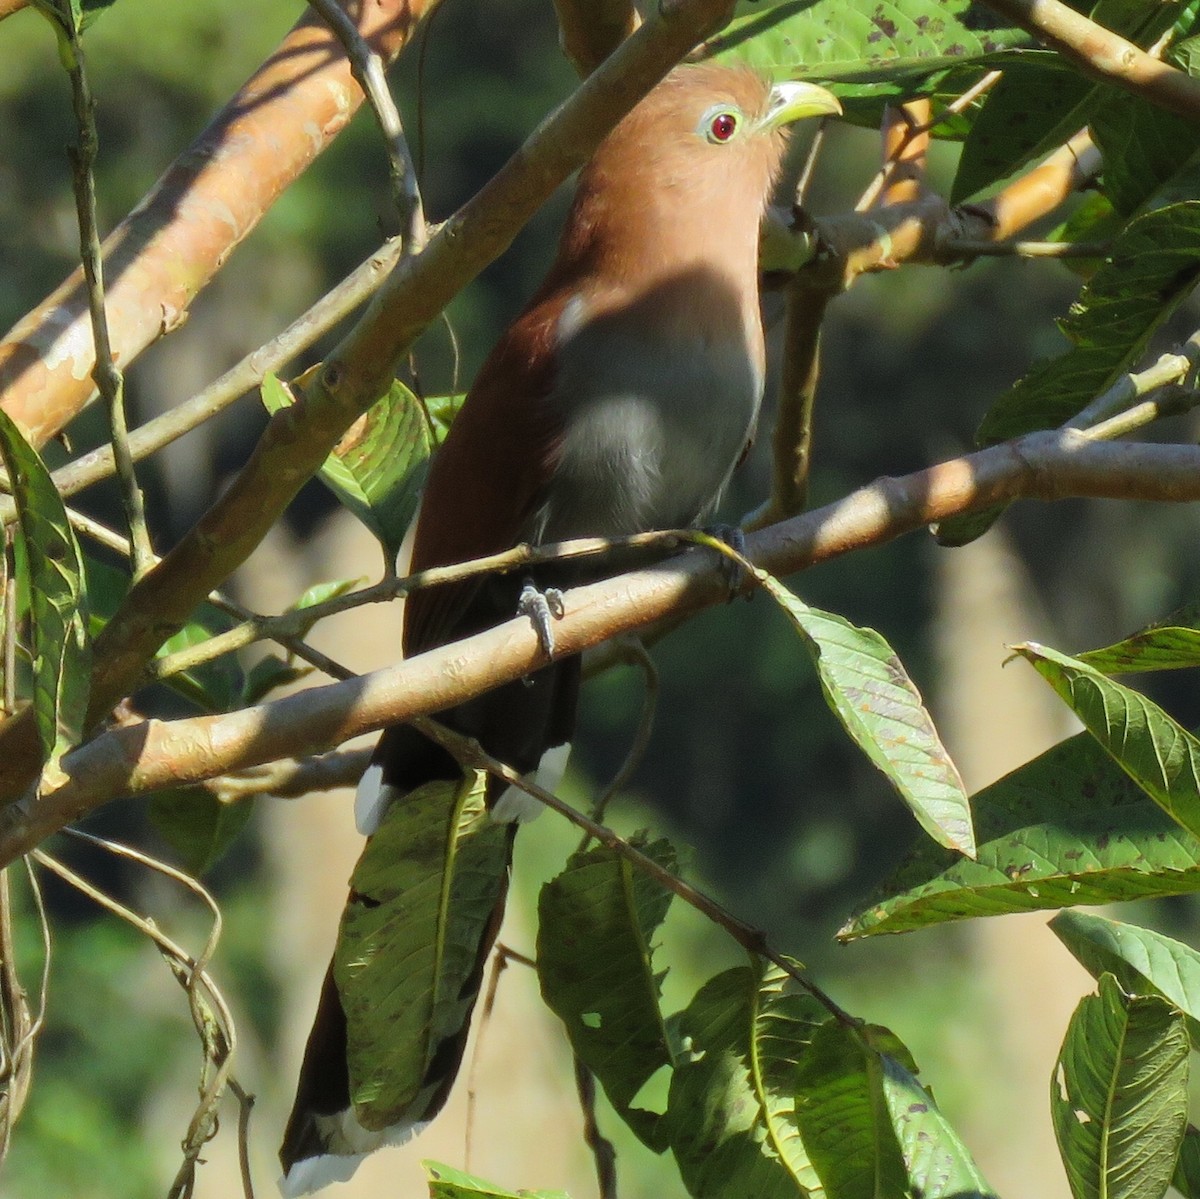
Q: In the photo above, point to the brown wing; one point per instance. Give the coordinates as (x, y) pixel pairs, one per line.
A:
(486, 479)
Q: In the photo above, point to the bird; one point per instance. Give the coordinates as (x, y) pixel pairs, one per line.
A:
(619, 401)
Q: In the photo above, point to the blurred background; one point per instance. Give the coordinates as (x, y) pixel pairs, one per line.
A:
(788, 825)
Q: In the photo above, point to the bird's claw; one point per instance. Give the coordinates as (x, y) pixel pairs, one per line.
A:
(734, 537)
(542, 608)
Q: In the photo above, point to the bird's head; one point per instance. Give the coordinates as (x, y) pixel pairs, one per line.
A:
(705, 144)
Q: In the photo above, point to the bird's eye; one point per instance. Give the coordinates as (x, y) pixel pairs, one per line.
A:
(719, 125)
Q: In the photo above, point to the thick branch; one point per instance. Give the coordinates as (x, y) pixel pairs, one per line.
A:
(155, 754)
(1103, 54)
(210, 198)
(589, 31)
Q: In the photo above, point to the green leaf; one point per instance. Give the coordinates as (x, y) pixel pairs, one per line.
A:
(1119, 1097)
(731, 1113)
(213, 686)
(407, 955)
(1034, 108)
(1166, 647)
(378, 468)
(868, 689)
(596, 921)
(938, 1164)
(871, 43)
(447, 1183)
(842, 1116)
(1153, 267)
(1161, 756)
(1186, 1179)
(1069, 827)
(1142, 146)
(197, 825)
(267, 674)
(1142, 961)
(61, 648)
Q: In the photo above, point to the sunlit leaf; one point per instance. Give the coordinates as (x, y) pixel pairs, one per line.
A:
(1119, 1097)
(445, 1182)
(60, 645)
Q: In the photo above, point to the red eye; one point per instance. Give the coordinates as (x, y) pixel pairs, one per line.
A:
(722, 127)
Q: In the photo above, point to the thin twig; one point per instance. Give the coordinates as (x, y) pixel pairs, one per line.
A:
(10, 621)
(147, 439)
(977, 248)
(210, 1013)
(245, 1107)
(109, 379)
(500, 959)
(810, 162)
(631, 651)
(367, 68)
(602, 1149)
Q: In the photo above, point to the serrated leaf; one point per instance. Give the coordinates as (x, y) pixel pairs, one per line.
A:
(1119, 1096)
(1166, 647)
(868, 689)
(1142, 961)
(197, 825)
(596, 921)
(938, 1163)
(60, 646)
(379, 466)
(730, 1117)
(445, 1182)
(1161, 756)
(1186, 1179)
(842, 1116)
(871, 50)
(1153, 267)
(1142, 147)
(406, 961)
(1069, 827)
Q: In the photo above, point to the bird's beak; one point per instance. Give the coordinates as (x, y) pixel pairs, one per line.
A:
(792, 101)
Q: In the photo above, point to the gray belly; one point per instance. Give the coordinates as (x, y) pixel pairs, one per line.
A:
(651, 438)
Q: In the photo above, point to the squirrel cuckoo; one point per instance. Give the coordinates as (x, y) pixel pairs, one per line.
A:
(619, 401)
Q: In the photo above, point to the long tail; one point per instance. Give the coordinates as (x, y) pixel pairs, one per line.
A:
(526, 724)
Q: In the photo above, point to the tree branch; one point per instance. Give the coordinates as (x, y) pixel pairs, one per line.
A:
(154, 754)
(1104, 55)
(299, 437)
(210, 198)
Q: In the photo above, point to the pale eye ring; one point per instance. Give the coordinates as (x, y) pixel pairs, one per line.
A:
(720, 125)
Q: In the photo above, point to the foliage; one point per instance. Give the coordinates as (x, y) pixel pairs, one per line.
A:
(759, 1083)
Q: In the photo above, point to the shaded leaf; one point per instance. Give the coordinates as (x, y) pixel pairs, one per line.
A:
(868, 689)
(213, 686)
(406, 960)
(1159, 755)
(1167, 647)
(1069, 827)
(1119, 1097)
(197, 825)
(267, 674)
(596, 921)
(1153, 267)
(869, 50)
(60, 646)
(1186, 1179)
(731, 1113)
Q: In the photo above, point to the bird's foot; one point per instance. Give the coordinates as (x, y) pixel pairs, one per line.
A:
(542, 608)
(734, 537)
